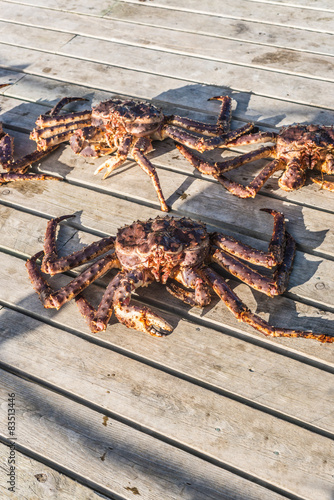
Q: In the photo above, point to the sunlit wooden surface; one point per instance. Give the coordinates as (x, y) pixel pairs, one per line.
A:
(215, 410)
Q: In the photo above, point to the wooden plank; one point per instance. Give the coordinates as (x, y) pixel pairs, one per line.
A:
(284, 15)
(254, 11)
(140, 37)
(174, 73)
(36, 480)
(115, 26)
(12, 34)
(186, 101)
(275, 452)
(216, 56)
(202, 355)
(111, 457)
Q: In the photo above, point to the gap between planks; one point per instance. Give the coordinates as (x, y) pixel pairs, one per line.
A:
(119, 454)
(186, 429)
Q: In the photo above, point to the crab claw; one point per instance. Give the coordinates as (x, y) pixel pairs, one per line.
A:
(142, 319)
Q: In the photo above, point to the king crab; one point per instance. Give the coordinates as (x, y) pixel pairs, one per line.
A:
(160, 249)
(128, 127)
(298, 148)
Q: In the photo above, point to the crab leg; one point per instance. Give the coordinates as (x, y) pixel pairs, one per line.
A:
(224, 118)
(63, 102)
(268, 259)
(138, 317)
(223, 122)
(52, 264)
(293, 177)
(252, 139)
(98, 319)
(328, 185)
(142, 146)
(55, 299)
(256, 280)
(255, 185)
(12, 176)
(202, 144)
(118, 160)
(21, 165)
(190, 278)
(242, 313)
(217, 168)
(54, 120)
(46, 132)
(6, 149)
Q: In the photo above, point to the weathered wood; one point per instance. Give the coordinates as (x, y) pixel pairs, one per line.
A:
(215, 394)
(225, 363)
(306, 91)
(224, 30)
(172, 408)
(35, 480)
(140, 37)
(257, 11)
(111, 457)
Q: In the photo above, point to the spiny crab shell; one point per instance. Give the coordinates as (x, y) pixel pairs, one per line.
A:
(161, 244)
(136, 118)
(312, 142)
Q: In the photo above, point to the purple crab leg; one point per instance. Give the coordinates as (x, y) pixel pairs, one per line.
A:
(225, 115)
(52, 121)
(223, 122)
(140, 318)
(58, 130)
(219, 167)
(13, 176)
(52, 264)
(98, 319)
(242, 313)
(269, 286)
(255, 185)
(6, 149)
(278, 238)
(328, 185)
(293, 177)
(202, 144)
(39, 284)
(252, 139)
(268, 259)
(45, 143)
(63, 102)
(22, 164)
(191, 279)
(193, 125)
(55, 299)
(140, 147)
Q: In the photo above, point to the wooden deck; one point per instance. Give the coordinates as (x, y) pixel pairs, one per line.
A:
(215, 410)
